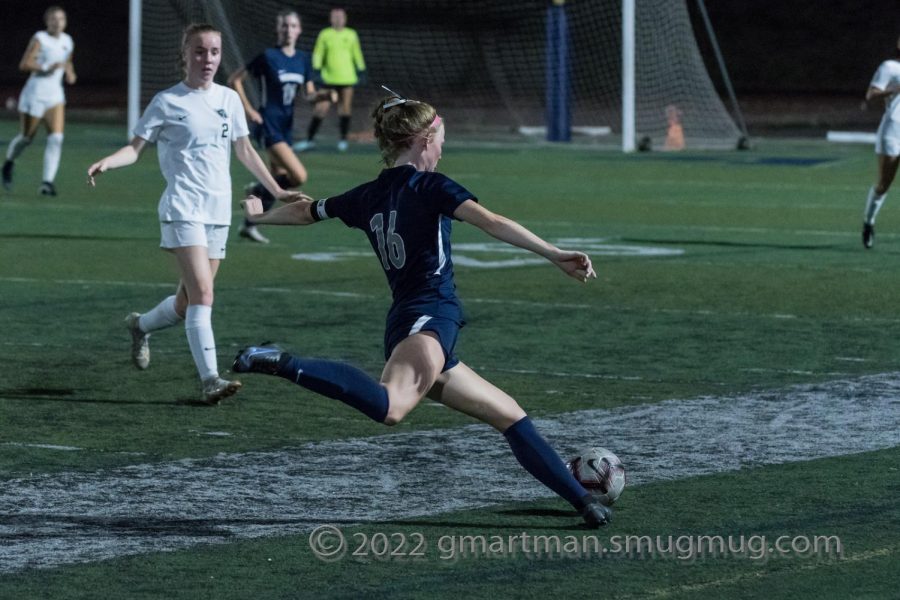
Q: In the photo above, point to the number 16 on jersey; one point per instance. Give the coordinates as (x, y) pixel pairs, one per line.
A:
(390, 246)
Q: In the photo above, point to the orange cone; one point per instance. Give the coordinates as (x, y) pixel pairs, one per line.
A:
(675, 132)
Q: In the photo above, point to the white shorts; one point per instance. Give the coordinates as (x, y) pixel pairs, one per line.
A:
(178, 234)
(887, 138)
(31, 104)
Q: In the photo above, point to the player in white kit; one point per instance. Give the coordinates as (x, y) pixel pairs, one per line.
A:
(885, 86)
(194, 124)
(48, 58)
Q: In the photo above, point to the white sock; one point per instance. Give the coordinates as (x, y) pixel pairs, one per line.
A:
(51, 156)
(16, 145)
(160, 316)
(873, 205)
(198, 327)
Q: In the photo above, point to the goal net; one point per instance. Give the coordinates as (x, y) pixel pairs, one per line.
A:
(484, 65)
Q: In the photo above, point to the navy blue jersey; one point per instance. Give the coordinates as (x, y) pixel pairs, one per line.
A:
(407, 216)
(282, 77)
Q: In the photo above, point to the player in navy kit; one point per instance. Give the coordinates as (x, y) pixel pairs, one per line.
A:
(284, 72)
(407, 214)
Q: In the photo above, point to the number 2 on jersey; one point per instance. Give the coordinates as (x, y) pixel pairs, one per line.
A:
(390, 246)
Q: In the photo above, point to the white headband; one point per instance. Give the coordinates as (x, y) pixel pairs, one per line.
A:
(395, 101)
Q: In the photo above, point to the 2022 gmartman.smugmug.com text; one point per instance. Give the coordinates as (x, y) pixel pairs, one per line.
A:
(329, 543)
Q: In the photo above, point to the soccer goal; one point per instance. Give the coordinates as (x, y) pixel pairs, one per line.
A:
(623, 73)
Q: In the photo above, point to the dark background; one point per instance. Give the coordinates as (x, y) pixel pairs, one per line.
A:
(792, 63)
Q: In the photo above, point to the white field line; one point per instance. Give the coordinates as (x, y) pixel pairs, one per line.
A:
(543, 225)
(77, 517)
(794, 372)
(766, 230)
(757, 204)
(151, 208)
(42, 446)
(498, 301)
(562, 374)
(696, 590)
(172, 286)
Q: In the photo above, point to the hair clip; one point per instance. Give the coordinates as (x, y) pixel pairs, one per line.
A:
(395, 101)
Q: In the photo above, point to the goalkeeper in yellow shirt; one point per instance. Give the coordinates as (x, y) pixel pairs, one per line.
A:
(339, 58)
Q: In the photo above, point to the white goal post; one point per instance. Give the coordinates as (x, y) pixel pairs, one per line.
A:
(632, 68)
(134, 64)
(628, 141)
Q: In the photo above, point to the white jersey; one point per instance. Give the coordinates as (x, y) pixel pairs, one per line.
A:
(887, 138)
(888, 75)
(193, 130)
(47, 88)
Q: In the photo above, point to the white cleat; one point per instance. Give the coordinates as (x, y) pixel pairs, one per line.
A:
(216, 388)
(252, 233)
(342, 146)
(140, 342)
(304, 145)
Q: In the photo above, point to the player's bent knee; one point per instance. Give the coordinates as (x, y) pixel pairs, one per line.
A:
(506, 420)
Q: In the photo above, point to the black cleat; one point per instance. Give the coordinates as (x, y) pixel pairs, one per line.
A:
(868, 236)
(595, 514)
(258, 359)
(47, 189)
(254, 188)
(7, 175)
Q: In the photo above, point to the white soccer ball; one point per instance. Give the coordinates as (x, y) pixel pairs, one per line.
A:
(600, 472)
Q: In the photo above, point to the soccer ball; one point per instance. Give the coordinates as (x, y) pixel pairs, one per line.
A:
(600, 472)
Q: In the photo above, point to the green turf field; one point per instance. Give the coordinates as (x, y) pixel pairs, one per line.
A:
(720, 275)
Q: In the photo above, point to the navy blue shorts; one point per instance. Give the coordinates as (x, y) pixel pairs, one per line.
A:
(401, 326)
(277, 128)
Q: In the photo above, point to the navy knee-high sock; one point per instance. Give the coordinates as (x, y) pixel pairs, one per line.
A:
(284, 181)
(535, 454)
(339, 381)
(268, 200)
(314, 124)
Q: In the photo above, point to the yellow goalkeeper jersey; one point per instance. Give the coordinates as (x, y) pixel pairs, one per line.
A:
(338, 55)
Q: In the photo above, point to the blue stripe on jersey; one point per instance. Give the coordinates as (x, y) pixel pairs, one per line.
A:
(398, 212)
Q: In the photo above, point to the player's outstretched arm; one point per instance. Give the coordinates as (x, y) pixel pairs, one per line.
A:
(124, 156)
(295, 213)
(875, 93)
(574, 264)
(312, 95)
(248, 156)
(236, 81)
(29, 62)
(71, 77)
